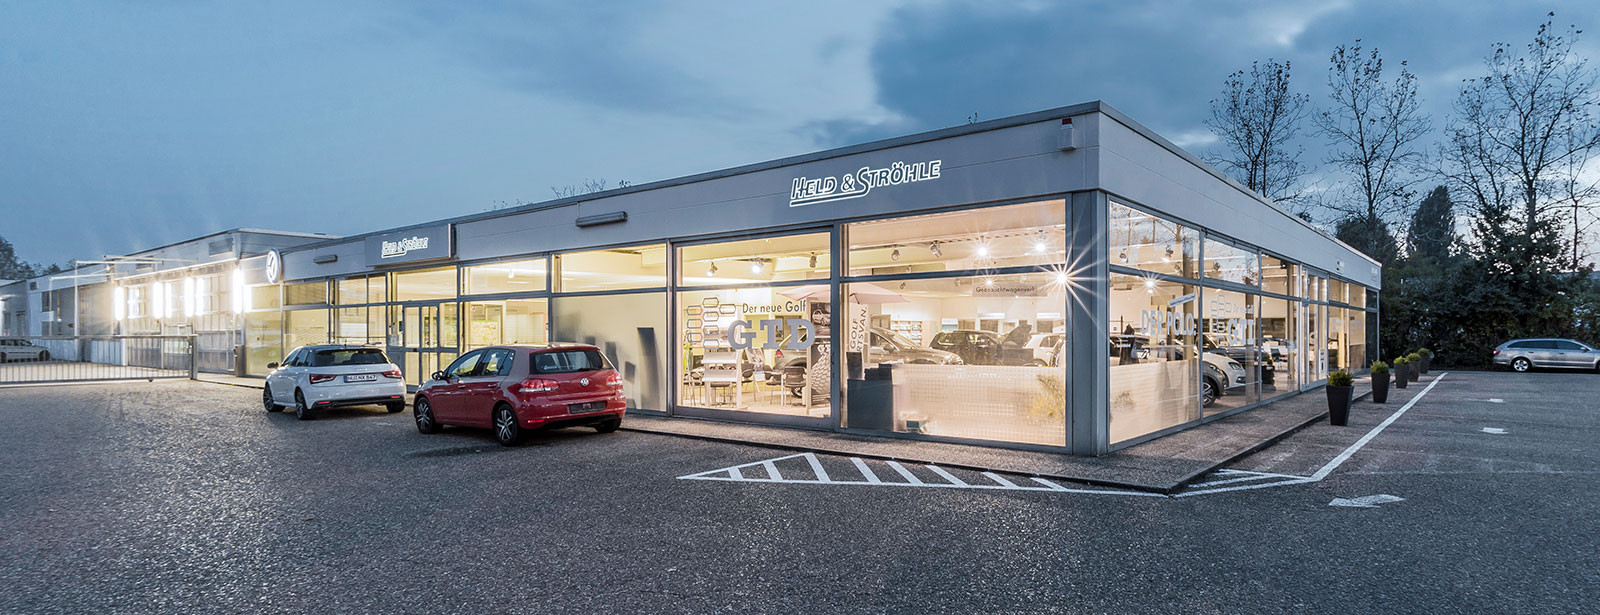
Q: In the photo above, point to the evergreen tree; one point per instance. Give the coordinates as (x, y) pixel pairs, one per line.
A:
(1433, 226)
(1383, 248)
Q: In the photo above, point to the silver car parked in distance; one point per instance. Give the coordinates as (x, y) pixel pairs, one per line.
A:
(1549, 352)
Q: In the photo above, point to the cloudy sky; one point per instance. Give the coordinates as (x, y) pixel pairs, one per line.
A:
(129, 125)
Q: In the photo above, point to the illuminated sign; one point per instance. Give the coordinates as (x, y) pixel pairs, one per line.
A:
(798, 330)
(811, 191)
(392, 249)
(274, 267)
(418, 244)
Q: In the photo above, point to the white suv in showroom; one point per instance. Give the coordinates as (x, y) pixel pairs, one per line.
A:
(315, 377)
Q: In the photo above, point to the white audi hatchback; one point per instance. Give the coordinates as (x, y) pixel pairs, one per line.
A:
(316, 377)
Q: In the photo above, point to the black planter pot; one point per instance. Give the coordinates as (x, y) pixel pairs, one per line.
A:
(1380, 388)
(1427, 361)
(1415, 372)
(1402, 375)
(1339, 405)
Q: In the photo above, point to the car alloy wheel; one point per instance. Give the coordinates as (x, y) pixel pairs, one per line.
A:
(301, 410)
(506, 429)
(267, 401)
(1208, 392)
(1521, 364)
(422, 411)
(44, 355)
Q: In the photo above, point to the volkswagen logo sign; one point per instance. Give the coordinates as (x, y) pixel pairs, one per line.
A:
(274, 267)
(583, 382)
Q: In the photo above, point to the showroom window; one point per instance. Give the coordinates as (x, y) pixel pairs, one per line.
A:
(612, 269)
(758, 349)
(1231, 263)
(971, 357)
(350, 325)
(362, 290)
(304, 327)
(1356, 338)
(766, 260)
(1154, 358)
(305, 293)
(1232, 360)
(1278, 318)
(631, 329)
(265, 297)
(1338, 291)
(1277, 275)
(522, 276)
(511, 321)
(1028, 234)
(425, 284)
(1151, 243)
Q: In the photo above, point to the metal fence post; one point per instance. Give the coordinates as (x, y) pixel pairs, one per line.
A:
(194, 357)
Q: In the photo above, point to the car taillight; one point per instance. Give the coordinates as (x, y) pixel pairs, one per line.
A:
(537, 385)
(315, 378)
(1497, 351)
(614, 380)
(393, 373)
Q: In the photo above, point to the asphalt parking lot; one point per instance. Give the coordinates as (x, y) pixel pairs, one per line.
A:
(185, 497)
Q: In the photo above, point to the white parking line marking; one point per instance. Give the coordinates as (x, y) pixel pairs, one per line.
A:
(816, 468)
(910, 478)
(1496, 400)
(1494, 430)
(1326, 469)
(947, 476)
(1052, 486)
(866, 472)
(735, 474)
(772, 470)
(1000, 479)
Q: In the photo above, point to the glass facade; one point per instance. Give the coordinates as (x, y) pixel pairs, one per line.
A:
(951, 326)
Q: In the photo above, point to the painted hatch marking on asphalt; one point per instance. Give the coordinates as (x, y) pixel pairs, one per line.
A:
(1494, 430)
(808, 469)
(883, 473)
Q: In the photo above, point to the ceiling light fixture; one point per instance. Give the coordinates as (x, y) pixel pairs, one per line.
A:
(713, 270)
(1061, 278)
(895, 255)
(1123, 256)
(756, 267)
(983, 251)
(934, 249)
(1039, 243)
(813, 260)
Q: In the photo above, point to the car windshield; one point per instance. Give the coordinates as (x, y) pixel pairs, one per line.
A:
(340, 357)
(569, 361)
(898, 339)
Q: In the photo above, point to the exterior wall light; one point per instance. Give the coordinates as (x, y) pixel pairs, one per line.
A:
(188, 297)
(238, 291)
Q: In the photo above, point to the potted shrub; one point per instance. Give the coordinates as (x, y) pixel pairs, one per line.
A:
(1380, 382)
(1402, 372)
(1427, 359)
(1339, 397)
(1415, 361)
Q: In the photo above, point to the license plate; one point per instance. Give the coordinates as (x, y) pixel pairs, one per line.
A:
(593, 406)
(361, 378)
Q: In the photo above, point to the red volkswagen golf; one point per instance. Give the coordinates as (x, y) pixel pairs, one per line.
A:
(513, 389)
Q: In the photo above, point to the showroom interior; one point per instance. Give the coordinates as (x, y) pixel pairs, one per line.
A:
(1065, 281)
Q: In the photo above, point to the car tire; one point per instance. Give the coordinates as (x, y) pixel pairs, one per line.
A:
(1521, 364)
(267, 402)
(2, 358)
(1208, 391)
(608, 426)
(301, 410)
(395, 407)
(422, 413)
(507, 429)
(44, 355)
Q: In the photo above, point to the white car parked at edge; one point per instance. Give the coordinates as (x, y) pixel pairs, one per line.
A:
(315, 377)
(13, 349)
(1222, 374)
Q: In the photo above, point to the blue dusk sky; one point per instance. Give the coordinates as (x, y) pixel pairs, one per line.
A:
(129, 125)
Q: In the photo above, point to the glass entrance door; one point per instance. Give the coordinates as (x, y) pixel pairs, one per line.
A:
(422, 338)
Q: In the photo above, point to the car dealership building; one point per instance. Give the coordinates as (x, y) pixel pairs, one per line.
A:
(1065, 280)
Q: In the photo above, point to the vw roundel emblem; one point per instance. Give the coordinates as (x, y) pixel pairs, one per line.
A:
(274, 266)
(583, 382)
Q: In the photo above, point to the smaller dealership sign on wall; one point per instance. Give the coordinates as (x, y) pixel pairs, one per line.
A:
(412, 245)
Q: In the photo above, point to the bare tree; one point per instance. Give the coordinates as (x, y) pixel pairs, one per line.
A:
(1257, 118)
(1373, 127)
(589, 186)
(1521, 137)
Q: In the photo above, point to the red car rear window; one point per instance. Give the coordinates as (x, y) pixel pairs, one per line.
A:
(568, 361)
